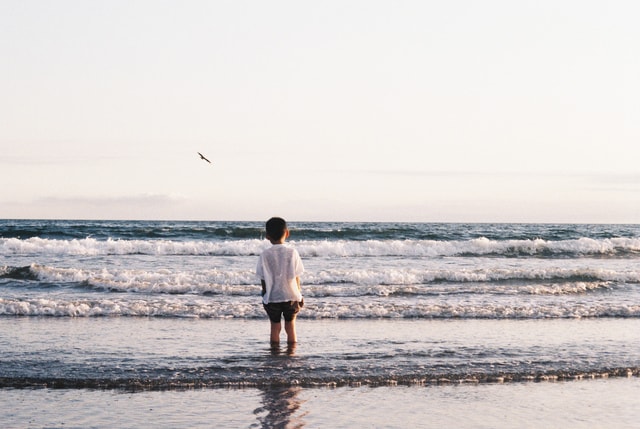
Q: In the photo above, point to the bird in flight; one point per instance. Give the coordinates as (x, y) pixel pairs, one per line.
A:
(203, 157)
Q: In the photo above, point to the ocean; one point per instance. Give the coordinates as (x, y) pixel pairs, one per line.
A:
(472, 325)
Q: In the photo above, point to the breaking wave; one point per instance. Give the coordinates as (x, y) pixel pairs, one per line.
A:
(333, 282)
(203, 307)
(325, 248)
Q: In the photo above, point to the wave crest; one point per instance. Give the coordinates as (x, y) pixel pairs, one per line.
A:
(332, 282)
(209, 308)
(325, 248)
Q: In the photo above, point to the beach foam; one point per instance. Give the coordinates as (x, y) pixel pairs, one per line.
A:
(325, 248)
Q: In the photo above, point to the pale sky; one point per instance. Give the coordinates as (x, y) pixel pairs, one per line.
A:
(461, 111)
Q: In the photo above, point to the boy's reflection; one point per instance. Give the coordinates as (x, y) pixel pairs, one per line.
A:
(280, 408)
(280, 404)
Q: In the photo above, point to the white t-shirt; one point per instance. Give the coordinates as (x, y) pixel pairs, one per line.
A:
(278, 266)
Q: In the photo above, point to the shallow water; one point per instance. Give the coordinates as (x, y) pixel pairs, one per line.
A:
(155, 353)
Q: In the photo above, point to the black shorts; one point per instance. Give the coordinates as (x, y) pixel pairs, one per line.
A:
(287, 309)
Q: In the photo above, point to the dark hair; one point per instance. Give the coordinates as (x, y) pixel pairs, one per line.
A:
(276, 227)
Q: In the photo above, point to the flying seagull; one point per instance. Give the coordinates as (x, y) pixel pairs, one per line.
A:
(203, 157)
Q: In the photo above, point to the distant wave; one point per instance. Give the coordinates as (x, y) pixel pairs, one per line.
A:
(325, 248)
(350, 231)
(95, 247)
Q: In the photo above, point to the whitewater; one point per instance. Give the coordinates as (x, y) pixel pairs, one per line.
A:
(368, 271)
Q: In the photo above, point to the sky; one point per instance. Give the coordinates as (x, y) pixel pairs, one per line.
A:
(363, 110)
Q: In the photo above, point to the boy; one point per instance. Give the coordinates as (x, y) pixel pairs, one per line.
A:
(279, 269)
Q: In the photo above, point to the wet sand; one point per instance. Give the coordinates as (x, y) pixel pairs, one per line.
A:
(610, 403)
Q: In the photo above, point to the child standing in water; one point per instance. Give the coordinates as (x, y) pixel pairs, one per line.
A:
(279, 269)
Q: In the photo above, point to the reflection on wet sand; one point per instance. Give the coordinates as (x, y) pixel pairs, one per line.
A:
(280, 405)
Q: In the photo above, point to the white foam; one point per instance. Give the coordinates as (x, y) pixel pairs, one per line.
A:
(214, 281)
(338, 248)
(346, 282)
(93, 247)
(130, 308)
(208, 308)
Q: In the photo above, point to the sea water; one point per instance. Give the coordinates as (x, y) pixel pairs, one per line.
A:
(173, 309)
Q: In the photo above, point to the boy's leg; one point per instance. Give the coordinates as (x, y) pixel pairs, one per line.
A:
(275, 332)
(290, 329)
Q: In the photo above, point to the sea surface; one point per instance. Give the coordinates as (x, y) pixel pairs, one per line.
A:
(402, 312)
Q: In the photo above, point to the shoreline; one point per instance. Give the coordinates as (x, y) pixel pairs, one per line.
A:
(136, 385)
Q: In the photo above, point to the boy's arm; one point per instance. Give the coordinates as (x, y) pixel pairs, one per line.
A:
(300, 289)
